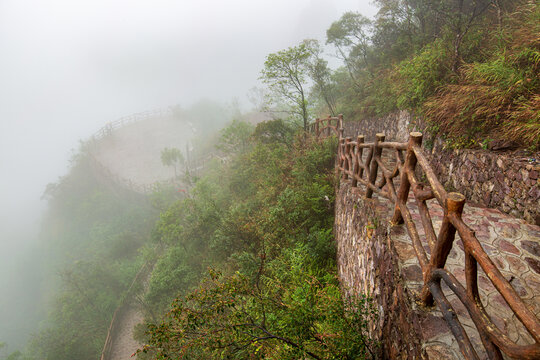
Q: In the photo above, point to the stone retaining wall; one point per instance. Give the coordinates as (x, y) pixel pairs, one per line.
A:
(395, 126)
(505, 181)
(369, 263)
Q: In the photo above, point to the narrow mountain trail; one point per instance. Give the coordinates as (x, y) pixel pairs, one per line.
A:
(131, 155)
(120, 344)
(123, 343)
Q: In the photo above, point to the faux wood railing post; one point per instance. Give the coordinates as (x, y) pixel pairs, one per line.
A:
(360, 140)
(357, 157)
(328, 124)
(341, 151)
(374, 168)
(415, 138)
(471, 280)
(347, 163)
(454, 204)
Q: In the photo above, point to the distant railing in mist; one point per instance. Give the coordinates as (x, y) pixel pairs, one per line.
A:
(108, 128)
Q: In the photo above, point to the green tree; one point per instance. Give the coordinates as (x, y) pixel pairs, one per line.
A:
(172, 157)
(235, 137)
(287, 75)
(324, 86)
(284, 313)
(273, 131)
(350, 37)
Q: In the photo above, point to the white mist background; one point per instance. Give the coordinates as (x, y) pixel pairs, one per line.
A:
(67, 67)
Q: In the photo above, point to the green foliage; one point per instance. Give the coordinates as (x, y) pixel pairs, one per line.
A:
(235, 137)
(91, 233)
(265, 220)
(422, 75)
(81, 314)
(324, 87)
(165, 195)
(286, 73)
(286, 313)
(498, 98)
(174, 272)
(273, 132)
(349, 35)
(470, 66)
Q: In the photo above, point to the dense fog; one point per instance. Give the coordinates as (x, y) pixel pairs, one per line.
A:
(68, 67)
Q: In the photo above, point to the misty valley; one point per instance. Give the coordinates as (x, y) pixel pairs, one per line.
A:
(209, 223)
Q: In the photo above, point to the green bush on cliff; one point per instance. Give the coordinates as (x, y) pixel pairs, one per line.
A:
(264, 230)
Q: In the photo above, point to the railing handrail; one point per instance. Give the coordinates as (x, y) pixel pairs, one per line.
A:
(129, 119)
(408, 155)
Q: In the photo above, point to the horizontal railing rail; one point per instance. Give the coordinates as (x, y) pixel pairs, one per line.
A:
(109, 127)
(362, 163)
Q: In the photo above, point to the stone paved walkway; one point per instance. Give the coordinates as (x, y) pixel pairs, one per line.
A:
(124, 345)
(512, 244)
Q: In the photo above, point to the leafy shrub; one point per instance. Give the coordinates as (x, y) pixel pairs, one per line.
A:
(422, 75)
(264, 219)
(286, 313)
(497, 99)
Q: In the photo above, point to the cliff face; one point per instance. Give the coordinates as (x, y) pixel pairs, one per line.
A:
(368, 263)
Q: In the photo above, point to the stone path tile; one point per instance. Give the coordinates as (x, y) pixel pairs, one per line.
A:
(124, 345)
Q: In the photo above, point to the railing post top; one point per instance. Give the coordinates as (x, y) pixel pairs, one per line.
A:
(455, 202)
(380, 136)
(360, 138)
(416, 137)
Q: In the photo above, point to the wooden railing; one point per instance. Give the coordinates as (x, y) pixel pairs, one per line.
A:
(109, 127)
(326, 127)
(377, 177)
